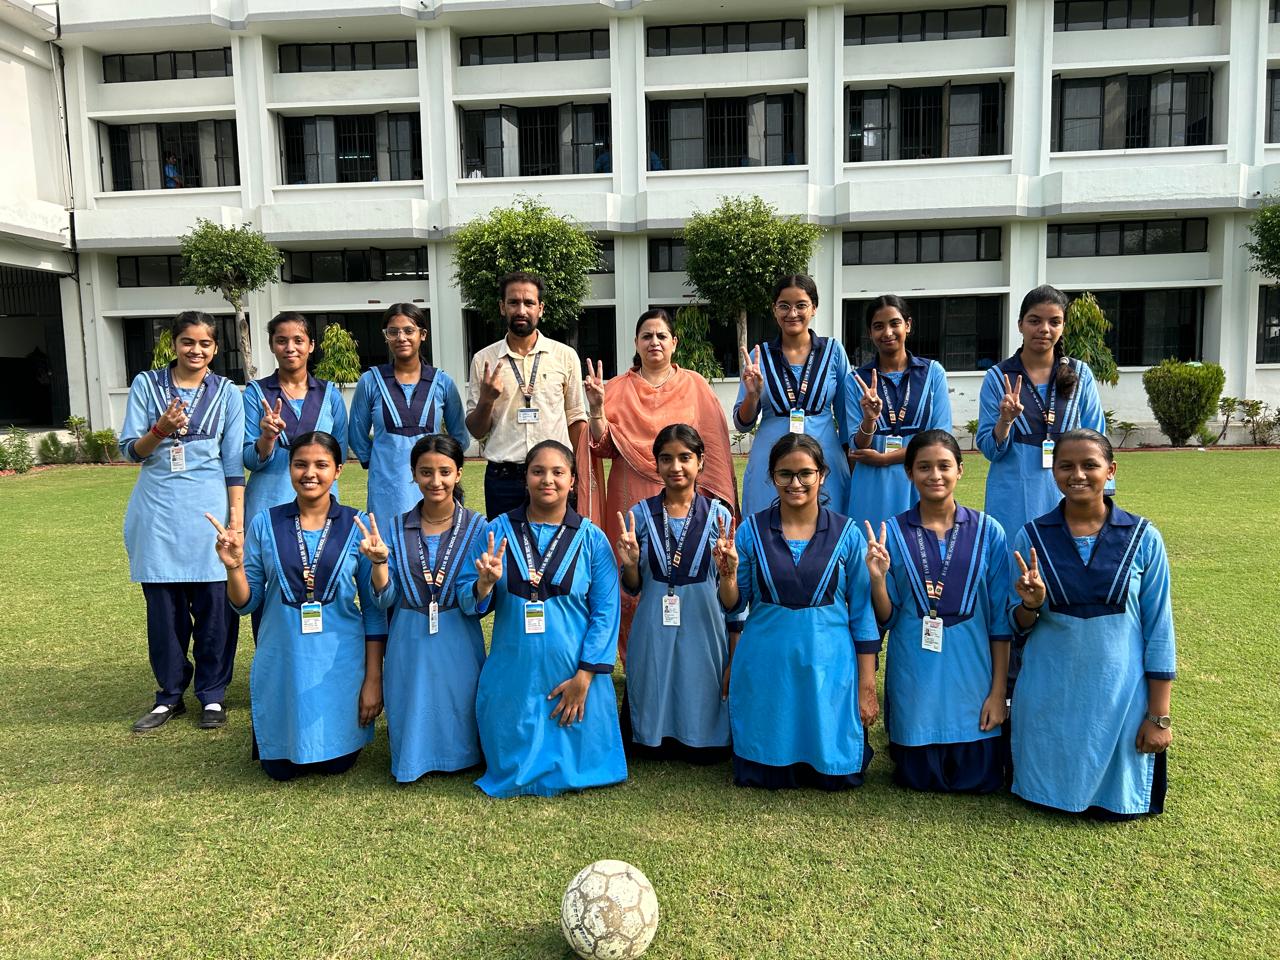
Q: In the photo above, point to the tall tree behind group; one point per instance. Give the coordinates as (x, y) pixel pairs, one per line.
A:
(736, 252)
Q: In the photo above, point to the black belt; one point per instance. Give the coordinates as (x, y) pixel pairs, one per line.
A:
(506, 466)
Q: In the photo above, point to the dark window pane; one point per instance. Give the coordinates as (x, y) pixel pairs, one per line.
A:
(139, 66)
(1108, 239)
(1164, 236)
(878, 248)
(153, 271)
(343, 57)
(546, 47)
(184, 65)
(355, 267)
(1117, 15)
(1051, 243)
(852, 31)
(113, 69)
(880, 28)
(908, 246)
(498, 49)
(126, 271)
(362, 56)
(1077, 240)
(469, 49)
(964, 24)
(989, 243)
(575, 45)
(1196, 236)
(164, 66)
(316, 57)
(1085, 15)
(1140, 13)
(995, 25)
(1170, 13)
(713, 38)
(299, 267)
(405, 264)
(526, 48)
(736, 37)
(211, 63)
(326, 266)
(959, 245)
(1132, 242)
(686, 40)
(289, 58)
(1202, 13)
(764, 36)
(935, 25)
(600, 44)
(657, 42)
(793, 34)
(1269, 325)
(393, 55)
(930, 246)
(912, 27)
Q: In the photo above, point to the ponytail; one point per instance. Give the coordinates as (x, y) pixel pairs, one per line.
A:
(1064, 377)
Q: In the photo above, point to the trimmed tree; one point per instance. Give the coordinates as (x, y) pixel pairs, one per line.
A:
(1084, 336)
(339, 356)
(735, 253)
(693, 349)
(1183, 396)
(235, 261)
(527, 236)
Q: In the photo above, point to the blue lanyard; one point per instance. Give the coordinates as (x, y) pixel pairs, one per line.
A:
(901, 414)
(931, 587)
(526, 541)
(436, 579)
(797, 395)
(308, 573)
(673, 556)
(195, 403)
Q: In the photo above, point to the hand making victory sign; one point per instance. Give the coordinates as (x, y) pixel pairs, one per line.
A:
(1029, 586)
(725, 552)
(1011, 402)
(489, 567)
(628, 544)
(593, 386)
(491, 384)
(752, 377)
(877, 552)
(230, 544)
(174, 417)
(272, 424)
(872, 403)
(372, 545)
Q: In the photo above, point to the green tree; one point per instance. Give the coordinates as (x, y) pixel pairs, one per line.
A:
(694, 351)
(526, 236)
(735, 253)
(339, 356)
(162, 353)
(235, 261)
(1183, 396)
(1084, 336)
(1264, 248)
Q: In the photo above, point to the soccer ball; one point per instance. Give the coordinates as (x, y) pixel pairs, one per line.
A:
(609, 912)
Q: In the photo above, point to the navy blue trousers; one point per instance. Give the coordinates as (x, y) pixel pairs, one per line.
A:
(504, 488)
(288, 770)
(975, 767)
(748, 773)
(195, 616)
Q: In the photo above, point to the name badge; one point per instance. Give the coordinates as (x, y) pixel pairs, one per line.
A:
(931, 634)
(670, 610)
(797, 421)
(535, 617)
(433, 618)
(527, 415)
(1046, 454)
(312, 617)
(177, 458)
(892, 444)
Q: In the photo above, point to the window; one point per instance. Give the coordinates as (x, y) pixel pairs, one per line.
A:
(340, 57)
(563, 140)
(761, 130)
(666, 255)
(141, 333)
(353, 148)
(1132, 111)
(1133, 238)
(1149, 325)
(961, 333)
(863, 248)
(167, 65)
(1269, 325)
(607, 261)
(1273, 105)
(534, 47)
(724, 38)
(354, 266)
(723, 337)
(597, 329)
(917, 123)
(149, 271)
(169, 156)
(967, 22)
(1124, 14)
(365, 327)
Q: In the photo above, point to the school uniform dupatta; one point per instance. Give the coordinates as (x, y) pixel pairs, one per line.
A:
(961, 571)
(908, 405)
(1042, 418)
(205, 412)
(692, 561)
(814, 391)
(411, 417)
(336, 542)
(295, 424)
(810, 582)
(409, 558)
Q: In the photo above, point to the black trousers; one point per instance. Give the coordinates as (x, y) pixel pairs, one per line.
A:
(196, 616)
(504, 488)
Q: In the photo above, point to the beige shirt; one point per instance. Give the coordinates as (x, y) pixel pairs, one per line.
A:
(557, 395)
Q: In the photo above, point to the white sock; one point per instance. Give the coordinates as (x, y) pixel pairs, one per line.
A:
(161, 708)
(213, 706)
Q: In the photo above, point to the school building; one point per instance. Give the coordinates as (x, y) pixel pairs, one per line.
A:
(957, 154)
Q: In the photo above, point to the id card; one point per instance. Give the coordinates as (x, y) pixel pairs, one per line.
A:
(892, 444)
(535, 617)
(797, 421)
(527, 415)
(670, 610)
(1046, 454)
(312, 617)
(433, 617)
(931, 634)
(177, 458)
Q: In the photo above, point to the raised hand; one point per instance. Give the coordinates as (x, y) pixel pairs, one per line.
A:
(628, 544)
(593, 385)
(229, 545)
(372, 546)
(877, 552)
(725, 552)
(489, 565)
(752, 377)
(1011, 402)
(174, 417)
(872, 403)
(271, 424)
(491, 384)
(1029, 586)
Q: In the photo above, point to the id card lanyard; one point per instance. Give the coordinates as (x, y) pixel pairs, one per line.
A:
(535, 620)
(931, 626)
(311, 609)
(797, 395)
(178, 452)
(671, 603)
(896, 417)
(1049, 414)
(528, 413)
(435, 579)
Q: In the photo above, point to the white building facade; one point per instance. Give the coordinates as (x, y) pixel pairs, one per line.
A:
(958, 155)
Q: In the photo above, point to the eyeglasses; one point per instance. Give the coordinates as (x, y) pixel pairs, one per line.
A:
(395, 333)
(807, 478)
(804, 306)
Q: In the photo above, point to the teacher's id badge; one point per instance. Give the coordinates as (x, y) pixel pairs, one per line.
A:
(931, 634)
(797, 421)
(535, 617)
(177, 458)
(527, 415)
(433, 617)
(1046, 454)
(892, 444)
(312, 617)
(670, 610)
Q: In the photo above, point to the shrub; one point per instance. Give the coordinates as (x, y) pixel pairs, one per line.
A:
(1227, 406)
(1183, 396)
(972, 427)
(53, 450)
(1262, 428)
(1205, 437)
(101, 446)
(339, 356)
(1084, 336)
(17, 451)
(694, 351)
(1126, 427)
(162, 353)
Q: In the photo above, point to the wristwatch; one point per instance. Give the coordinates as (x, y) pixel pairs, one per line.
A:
(1163, 722)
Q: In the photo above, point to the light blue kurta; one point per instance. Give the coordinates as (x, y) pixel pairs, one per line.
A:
(824, 407)
(937, 697)
(526, 750)
(877, 493)
(1082, 695)
(675, 673)
(793, 691)
(165, 532)
(429, 680)
(322, 409)
(304, 689)
(388, 418)
(1019, 488)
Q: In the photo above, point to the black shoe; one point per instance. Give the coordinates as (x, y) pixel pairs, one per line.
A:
(212, 719)
(158, 718)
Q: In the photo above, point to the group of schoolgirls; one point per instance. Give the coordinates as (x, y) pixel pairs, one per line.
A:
(757, 641)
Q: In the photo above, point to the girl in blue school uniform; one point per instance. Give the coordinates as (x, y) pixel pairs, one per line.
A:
(434, 651)
(1091, 710)
(315, 687)
(285, 404)
(891, 399)
(184, 424)
(545, 705)
(396, 403)
(675, 706)
(940, 585)
(793, 384)
(802, 691)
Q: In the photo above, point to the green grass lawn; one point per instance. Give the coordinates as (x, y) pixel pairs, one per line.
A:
(175, 844)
